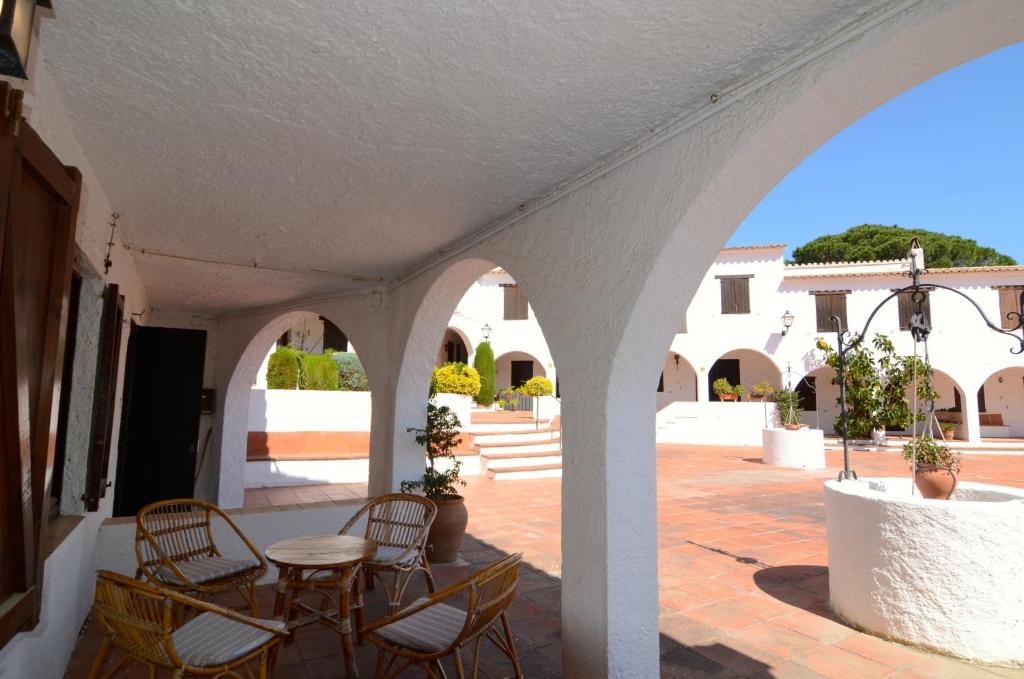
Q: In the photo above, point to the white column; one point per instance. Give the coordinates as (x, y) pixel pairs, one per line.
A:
(703, 390)
(609, 535)
(970, 413)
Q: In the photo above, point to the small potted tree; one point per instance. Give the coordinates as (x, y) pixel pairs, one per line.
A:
(441, 483)
(948, 430)
(787, 405)
(723, 390)
(536, 388)
(936, 469)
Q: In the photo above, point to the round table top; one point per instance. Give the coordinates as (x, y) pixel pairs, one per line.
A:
(321, 551)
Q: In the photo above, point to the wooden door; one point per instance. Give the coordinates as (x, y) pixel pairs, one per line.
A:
(521, 372)
(164, 383)
(38, 209)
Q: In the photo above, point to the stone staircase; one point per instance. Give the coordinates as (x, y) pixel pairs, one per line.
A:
(516, 452)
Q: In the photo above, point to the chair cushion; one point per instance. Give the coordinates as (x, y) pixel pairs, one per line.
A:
(205, 569)
(387, 556)
(210, 639)
(428, 631)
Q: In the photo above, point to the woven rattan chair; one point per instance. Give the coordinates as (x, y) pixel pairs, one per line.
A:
(175, 550)
(399, 524)
(139, 619)
(436, 627)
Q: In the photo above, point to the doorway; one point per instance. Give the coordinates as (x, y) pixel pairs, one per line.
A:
(729, 368)
(160, 421)
(521, 372)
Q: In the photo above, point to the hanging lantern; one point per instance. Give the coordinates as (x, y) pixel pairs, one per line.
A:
(16, 34)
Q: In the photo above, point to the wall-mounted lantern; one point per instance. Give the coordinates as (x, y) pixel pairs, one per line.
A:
(486, 331)
(787, 322)
(16, 18)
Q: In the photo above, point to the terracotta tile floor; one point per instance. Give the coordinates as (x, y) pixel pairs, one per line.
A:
(742, 565)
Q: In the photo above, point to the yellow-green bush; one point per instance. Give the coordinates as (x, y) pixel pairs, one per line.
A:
(319, 373)
(537, 386)
(284, 368)
(455, 378)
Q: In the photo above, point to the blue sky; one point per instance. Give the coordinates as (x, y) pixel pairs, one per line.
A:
(946, 156)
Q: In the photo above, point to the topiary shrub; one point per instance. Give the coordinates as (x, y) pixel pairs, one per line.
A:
(484, 364)
(319, 373)
(284, 368)
(351, 376)
(537, 386)
(455, 378)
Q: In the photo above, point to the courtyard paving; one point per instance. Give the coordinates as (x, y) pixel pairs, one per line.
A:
(743, 572)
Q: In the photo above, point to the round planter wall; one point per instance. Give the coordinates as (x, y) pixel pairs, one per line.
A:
(942, 574)
(799, 448)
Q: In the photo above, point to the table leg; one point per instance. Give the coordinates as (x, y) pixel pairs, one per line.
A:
(345, 621)
(283, 600)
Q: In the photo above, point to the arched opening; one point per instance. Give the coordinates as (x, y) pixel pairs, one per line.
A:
(454, 348)
(678, 381)
(297, 411)
(746, 368)
(1001, 404)
(514, 368)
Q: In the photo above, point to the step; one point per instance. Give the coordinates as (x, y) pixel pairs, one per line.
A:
(506, 428)
(526, 474)
(523, 468)
(526, 450)
(516, 439)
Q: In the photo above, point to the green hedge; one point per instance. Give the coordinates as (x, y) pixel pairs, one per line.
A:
(284, 368)
(455, 378)
(351, 376)
(319, 373)
(484, 364)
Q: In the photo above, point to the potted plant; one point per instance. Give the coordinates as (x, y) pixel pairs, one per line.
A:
(787, 405)
(440, 438)
(724, 390)
(948, 430)
(761, 391)
(937, 467)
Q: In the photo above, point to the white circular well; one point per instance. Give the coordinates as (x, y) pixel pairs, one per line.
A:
(798, 448)
(943, 574)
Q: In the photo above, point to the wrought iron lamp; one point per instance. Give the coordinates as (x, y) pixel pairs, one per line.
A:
(486, 331)
(787, 322)
(16, 17)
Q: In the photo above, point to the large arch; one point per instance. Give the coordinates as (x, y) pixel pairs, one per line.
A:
(1003, 394)
(752, 366)
(678, 381)
(503, 367)
(456, 347)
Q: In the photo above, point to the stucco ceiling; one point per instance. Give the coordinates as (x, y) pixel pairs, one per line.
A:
(358, 138)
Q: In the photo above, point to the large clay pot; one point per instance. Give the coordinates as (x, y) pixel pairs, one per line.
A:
(935, 483)
(448, 529)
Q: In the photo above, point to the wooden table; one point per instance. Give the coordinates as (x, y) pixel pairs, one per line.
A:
(337, 555)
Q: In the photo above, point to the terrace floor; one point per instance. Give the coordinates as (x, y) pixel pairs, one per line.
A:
(742, 566)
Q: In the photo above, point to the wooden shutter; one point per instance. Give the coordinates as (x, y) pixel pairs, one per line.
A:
(827, 305)
(1009, 303)
(735, 294)
(38, 209)
(104, 399)
(517, 307)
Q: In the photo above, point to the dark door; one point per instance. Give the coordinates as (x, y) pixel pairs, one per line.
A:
(160, 422)
(522, 371)
(729, 368)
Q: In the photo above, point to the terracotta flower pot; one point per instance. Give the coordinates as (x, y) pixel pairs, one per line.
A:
(728, 397)
(935, 483)
(448, 529)
(755, 397)
(792, 427)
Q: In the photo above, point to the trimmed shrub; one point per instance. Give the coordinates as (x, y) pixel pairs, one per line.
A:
(319, 373)
(537, 386)
(351, 376)
(455, 378)
(484, 364)
(283, 368)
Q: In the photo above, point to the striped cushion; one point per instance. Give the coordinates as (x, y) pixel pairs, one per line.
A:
(209, 639)
(387, 555)
(429, 631)
(204, 569)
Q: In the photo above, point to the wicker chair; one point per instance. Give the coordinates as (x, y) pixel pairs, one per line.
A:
(139, 619)
(399, 524)
(431, 628)
(175, 550)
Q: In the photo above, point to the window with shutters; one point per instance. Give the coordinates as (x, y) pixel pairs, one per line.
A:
(827, 305)
(735, 294)
(906, 307)
(516, 306)
(1009, 306)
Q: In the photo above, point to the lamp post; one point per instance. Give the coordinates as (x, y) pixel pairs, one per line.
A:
(920, 328)
(787, 322)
